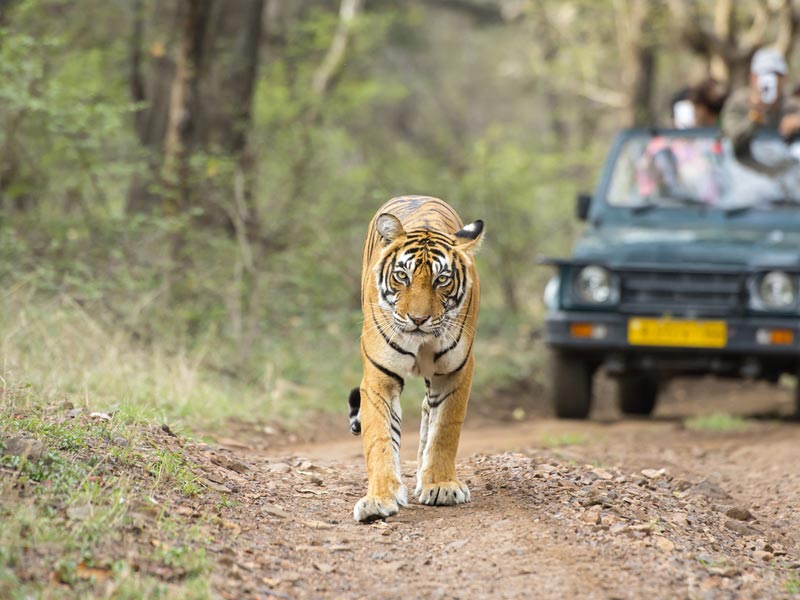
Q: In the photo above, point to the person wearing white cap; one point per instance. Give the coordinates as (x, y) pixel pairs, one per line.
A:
(760, 105)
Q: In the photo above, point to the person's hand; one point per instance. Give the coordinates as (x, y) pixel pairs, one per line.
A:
(758, 110)
(789, 126)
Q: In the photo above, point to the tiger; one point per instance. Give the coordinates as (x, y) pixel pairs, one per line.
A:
(420, 296)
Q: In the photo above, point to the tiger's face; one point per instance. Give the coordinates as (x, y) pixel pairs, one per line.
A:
(423, 276)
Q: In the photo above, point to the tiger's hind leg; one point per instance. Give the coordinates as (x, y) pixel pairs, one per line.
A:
(380, 426)
(443, 410)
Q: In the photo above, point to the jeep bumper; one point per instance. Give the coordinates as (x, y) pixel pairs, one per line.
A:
(755, 347)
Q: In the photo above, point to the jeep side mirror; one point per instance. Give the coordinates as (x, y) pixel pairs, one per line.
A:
(584, 201)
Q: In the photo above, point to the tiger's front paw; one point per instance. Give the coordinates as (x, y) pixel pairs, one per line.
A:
(444, 493)
(372, 508)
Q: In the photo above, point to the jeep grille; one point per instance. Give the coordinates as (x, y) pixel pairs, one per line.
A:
(682, 293)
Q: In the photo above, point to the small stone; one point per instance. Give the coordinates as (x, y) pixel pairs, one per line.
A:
(592, 515)
(654, 473)
(274, 511)
(618, 528)
(22, 446)
(456, 545)
(663, 544)
(589, 478)
(279, 468)
(723, 571)
(231, 465)
(213, 485)
(315, 479)
(315, 524)
(324, 567)
(760, 555)
(740, 513)
(678, 518)
(602, 474)
(740, 528)
(707, 489)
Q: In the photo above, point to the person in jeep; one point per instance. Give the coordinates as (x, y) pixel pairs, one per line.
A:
(761, 105)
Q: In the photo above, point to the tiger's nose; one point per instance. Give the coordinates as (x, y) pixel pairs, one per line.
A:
(418, 320)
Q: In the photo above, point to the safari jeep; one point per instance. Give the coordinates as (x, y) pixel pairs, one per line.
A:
(689, 265)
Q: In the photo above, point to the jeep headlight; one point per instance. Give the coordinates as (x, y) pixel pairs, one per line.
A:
(594, 285)
(776, 291)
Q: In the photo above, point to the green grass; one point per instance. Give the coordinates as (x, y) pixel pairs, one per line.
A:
(793, 585)
(171, 466)
(717, 422)
(563, 439)
(70, 508)
(55, 351)
(59, 353)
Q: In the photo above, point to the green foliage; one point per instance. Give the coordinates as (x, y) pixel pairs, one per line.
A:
(161, 317)
(60, 117)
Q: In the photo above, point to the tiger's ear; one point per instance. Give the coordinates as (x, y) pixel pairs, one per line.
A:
(469, 237)
(389, 227)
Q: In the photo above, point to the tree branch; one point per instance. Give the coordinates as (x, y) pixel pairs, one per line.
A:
(789, 22)
(334, 58)
(756, 35)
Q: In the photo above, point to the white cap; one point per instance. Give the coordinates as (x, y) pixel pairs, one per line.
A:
(768, 60)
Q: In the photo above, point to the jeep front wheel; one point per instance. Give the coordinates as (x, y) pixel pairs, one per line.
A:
(572, 385)
(637, 394)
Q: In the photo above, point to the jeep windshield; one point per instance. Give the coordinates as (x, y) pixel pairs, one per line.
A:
(696, 168)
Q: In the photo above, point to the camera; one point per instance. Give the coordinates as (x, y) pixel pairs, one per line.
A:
(768, 87)
(683, 114)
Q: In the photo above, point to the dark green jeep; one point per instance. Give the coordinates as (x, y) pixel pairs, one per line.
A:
(689, 265)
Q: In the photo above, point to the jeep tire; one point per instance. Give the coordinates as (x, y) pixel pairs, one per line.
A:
(796, 415)
(637, 394)
(571, 385)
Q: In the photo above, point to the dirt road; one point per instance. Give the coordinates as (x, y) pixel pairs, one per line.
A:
(601, 509)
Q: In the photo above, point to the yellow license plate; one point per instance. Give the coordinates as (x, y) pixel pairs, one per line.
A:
(671, 332)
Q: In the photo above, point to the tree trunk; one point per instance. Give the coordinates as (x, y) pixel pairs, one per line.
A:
(4, 6)
(638, 49)
(182, 103)
(196, 98)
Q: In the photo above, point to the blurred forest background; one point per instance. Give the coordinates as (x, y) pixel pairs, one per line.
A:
(185, 185)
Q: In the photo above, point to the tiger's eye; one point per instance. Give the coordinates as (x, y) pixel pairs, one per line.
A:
(401, 276)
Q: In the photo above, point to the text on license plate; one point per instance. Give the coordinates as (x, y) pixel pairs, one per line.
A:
(671, 332)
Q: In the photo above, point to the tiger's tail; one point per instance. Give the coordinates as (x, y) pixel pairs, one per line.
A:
(355, 411)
